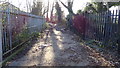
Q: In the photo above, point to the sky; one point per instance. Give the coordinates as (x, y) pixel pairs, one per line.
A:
(78, 4)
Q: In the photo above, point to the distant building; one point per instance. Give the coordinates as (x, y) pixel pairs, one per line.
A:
(115, 8)
(119, 7)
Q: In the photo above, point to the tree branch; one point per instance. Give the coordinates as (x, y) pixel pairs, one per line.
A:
(69, 7)
(63, 4)
(72, 3)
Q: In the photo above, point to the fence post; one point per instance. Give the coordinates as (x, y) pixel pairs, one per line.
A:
(119, 34)
(1, 41)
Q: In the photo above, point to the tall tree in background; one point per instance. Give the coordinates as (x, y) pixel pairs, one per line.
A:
(69, 6)
(51, 15)
(71, 13)
(28, 5)
(96, 7)
(59, 12)
(47, 12)
(35, 8)
(38, 8)
(110, 4)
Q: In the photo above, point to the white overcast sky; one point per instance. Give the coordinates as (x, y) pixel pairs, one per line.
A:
(78, 4)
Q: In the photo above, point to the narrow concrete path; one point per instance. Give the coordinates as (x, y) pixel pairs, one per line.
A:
(64, 51)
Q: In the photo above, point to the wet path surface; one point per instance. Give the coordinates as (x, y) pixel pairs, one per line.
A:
(63, 50)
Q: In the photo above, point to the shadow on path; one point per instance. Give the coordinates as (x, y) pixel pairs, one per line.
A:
(64, 52)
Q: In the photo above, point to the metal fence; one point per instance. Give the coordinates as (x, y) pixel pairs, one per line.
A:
(103, 27)
(16, 27)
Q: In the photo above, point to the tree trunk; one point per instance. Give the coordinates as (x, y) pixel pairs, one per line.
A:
(59, 12)
(51, 16)
(71, 14)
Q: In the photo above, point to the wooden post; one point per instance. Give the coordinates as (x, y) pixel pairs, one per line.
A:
(0, 41)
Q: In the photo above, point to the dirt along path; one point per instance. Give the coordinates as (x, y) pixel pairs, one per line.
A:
(62, 51)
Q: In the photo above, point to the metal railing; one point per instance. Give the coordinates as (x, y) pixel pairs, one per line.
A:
(16, 27)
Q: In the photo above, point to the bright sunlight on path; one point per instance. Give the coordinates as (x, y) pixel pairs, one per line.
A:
(63, 51)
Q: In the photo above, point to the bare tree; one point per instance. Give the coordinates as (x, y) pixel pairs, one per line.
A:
(35, 8)
(47, 10)
(51, 15)
(69, 6)
(59, 12)
(39, 9)
(28, 5)
(71, 13)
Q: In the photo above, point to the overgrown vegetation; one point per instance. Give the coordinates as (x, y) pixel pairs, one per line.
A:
(25, 34)
(98, 7)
